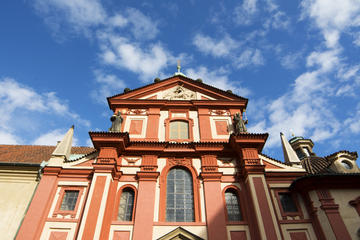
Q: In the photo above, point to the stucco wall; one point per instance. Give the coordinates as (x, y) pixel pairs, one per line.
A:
(347, 212)
(16, 190)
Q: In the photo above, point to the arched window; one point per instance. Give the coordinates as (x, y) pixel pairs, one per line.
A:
(179, 130)
(126, 205)
(232, 205)
(179, 196)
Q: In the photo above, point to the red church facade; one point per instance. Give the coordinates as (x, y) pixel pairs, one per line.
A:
(177, 169)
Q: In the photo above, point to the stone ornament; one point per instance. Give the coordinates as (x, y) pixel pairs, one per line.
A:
(180, 93)
(116, 120)
(239, 124)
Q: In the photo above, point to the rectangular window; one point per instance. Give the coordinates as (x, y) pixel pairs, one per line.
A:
(287, 203)
(179, 130)
(69, 200)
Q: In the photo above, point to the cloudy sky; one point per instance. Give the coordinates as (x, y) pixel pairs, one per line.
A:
(297, 62)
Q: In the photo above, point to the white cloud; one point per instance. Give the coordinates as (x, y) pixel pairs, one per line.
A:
(121, 53)
(216, 48)
(8, 138)
(118, 20)
(108, 84)
(332, 17)
(353, 123)
(18, 103)
(217, 78)
(81, 14)
(291, 61)
(244, 13)
(52, 137)
(249, 57)
(143, 26)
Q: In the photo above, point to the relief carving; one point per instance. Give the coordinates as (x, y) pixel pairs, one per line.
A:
(179, 93)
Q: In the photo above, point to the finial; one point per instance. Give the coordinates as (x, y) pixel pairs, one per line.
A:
(292, 133)
(178, 69)
(178, 66)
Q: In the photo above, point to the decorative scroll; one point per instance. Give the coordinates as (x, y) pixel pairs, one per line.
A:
(131, 161)
(219, 112)
(137, 112)
(179, 161)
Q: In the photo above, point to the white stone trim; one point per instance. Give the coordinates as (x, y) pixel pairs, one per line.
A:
(163, 115)
(244, 228)
(114, 228)
(49, 227)
(213, 126)
(102, 207)
(68, 183)
(143, 129)
(195, 128)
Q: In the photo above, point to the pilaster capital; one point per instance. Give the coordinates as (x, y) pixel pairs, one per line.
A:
(147, 176)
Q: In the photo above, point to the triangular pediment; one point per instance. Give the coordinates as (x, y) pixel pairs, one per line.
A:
(178, 88)
(180, 234)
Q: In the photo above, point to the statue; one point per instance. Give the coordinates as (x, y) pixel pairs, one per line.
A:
(239, 124)
(116, 120)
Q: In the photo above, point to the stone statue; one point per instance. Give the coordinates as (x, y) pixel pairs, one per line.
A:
(116, 120)
(239, 124)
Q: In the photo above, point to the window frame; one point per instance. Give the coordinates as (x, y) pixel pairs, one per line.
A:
(72, 213)
(240, 199)
(175, 193)
(184, 119)
(117, 202)
(284, 214)
(187, 165)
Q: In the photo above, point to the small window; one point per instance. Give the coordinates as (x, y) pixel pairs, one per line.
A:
(300, 153)
(179, 130)
(69, 200)
(126, 205)
(287, 202)
(232, 206)
(346, 165)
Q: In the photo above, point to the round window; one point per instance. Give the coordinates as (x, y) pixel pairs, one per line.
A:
(346, 164)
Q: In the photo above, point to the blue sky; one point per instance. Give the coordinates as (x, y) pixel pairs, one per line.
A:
(296, 61)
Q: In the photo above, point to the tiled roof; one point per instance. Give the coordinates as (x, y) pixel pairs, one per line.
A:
(314, 164)
(33, 153)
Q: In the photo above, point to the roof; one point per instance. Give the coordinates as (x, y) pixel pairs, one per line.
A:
(185, 79)
(33, 153)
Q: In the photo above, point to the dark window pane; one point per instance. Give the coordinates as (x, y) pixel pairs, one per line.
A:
(179, 196)
(232, 206)
(126, 205)
(287, 202)
(69, 200)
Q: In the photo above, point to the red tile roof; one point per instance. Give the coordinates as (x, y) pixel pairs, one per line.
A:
(33, 153)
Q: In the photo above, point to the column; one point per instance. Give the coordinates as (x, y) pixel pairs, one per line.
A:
(152, 129)
(332, 212)
(32, 225)
(145, 204)
(204, 124)
(214, 203)
(94, 211)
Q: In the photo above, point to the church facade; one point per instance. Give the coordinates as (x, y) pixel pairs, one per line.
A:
(178, 163)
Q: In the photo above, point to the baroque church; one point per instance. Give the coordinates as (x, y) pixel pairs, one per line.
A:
(177, 163)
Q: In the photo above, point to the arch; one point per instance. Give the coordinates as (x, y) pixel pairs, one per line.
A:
(185, 164)
(233, 192)
(125, 188)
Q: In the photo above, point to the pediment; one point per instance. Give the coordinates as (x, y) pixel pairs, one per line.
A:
(177, 88)
(180, 234)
